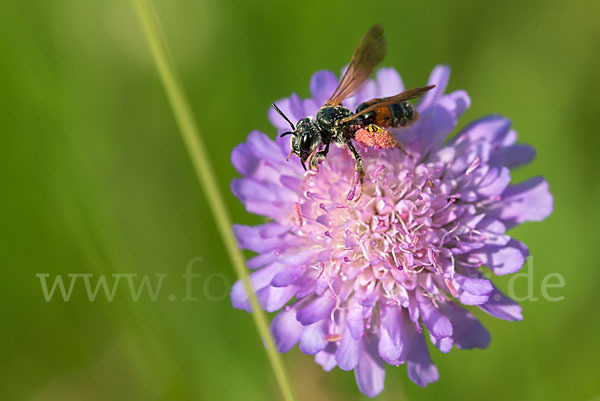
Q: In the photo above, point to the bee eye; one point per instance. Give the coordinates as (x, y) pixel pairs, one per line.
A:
(305, 142)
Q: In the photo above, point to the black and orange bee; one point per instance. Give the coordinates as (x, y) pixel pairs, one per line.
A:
(338, 124)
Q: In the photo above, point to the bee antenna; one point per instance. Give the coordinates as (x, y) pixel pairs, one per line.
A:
(284, 116)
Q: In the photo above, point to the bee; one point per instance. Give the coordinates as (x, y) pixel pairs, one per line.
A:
(334, 123)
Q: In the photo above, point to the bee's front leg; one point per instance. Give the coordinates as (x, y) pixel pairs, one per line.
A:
(359, 169)
(321, 155)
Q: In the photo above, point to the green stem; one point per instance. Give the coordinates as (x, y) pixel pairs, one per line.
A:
(206, 177)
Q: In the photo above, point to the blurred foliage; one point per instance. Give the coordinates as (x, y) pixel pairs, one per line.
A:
(96, 180)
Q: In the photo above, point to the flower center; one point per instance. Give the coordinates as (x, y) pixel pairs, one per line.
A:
(394, 232)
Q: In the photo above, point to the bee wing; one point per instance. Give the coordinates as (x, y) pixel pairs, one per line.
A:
(388, 101)
(370, 51)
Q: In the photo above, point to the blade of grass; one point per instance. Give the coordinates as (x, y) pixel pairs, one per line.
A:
(206, 177)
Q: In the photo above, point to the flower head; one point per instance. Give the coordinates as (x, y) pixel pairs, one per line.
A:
(361, 283)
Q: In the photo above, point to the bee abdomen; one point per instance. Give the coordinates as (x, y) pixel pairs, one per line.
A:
(395, 115)
(404, 113)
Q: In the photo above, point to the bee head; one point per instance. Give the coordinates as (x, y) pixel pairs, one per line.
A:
(305, 140)
(305, 137)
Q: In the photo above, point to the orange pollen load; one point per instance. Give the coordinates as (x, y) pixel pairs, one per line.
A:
(378, 139)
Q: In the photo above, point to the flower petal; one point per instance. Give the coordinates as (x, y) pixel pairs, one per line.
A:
(528, 201)
(370, 371)
(389, 82)
(443, 344)
(326, 358)
(391, 347)
(472, 290)
(438, 325)
(419, 366)
(250, 238)
(489, 129)
(355, 322)
(503, 259)
(258, 279)
(322, 85)
(243, 160)
(439, 77)
(460, 100)
(286, 107)
(494, 182)
(263, 147)
(348, 352)
(502, 307)
(476, 285)
(286, 330)
(318, 309)
(264, 198)
(512, 156)
(313, 339)
(288, 276)
(273, 298)
(468, 331)
(433, 126)
(260, 260)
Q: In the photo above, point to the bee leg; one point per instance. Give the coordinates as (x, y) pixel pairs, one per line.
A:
(321, 155)
(359, 169)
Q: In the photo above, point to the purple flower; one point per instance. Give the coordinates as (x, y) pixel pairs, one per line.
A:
(356, 283)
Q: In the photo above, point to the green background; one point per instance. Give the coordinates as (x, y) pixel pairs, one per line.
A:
(95, 179)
